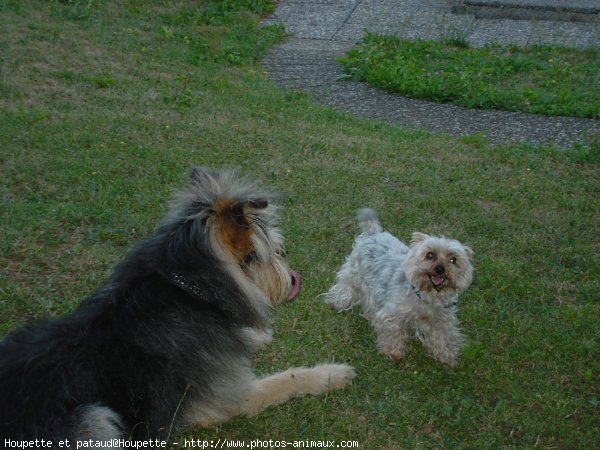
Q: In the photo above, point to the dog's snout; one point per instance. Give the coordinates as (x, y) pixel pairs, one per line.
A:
(440, 269)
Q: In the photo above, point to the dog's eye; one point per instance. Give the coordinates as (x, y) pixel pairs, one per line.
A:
(250, 258)
(453, 260)
(430, 255)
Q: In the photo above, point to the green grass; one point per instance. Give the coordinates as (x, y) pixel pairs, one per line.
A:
(545, 80)
(104, 108)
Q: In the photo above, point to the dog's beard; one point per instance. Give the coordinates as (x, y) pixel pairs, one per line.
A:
(433, 283)
(266, 267)
(273, 278)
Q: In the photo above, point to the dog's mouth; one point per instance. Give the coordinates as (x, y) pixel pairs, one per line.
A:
(437, 281)
(296, 282)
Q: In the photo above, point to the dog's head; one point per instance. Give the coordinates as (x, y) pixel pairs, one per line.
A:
(234, 221)
(439, 266)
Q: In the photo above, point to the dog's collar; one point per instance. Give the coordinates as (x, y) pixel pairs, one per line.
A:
(419, 295)
(187, 285)
(417, 292)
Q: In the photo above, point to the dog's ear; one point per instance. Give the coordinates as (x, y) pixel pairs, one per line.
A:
(240, 210)
(234, 224)
(418, 237)
(469, 252)
(203, 176)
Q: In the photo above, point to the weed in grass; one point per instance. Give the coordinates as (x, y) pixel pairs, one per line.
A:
(103, 82)
(546, 80)
(589, 153)
(478, 139)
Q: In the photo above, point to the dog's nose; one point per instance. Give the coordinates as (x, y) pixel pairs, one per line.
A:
(440, 270)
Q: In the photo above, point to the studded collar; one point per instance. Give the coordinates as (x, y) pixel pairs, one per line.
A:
(189, 286)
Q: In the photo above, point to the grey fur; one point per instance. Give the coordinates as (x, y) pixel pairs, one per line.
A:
(394, 285)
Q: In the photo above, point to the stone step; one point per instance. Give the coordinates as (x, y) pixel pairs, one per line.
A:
(560, 10)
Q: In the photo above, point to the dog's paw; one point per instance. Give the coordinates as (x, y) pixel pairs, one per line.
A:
(396, 357)
(394, 349)
(449, 360)
(452, 362)
(337, 376)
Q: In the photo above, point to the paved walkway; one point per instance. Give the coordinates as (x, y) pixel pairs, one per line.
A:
(576, 10)
(323, 30)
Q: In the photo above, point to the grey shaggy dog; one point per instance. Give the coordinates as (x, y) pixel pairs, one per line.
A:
(169, 340)
(405, 291)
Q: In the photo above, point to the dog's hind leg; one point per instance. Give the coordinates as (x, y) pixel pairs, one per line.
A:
(100, 424)
(296, 382)
(345, 293)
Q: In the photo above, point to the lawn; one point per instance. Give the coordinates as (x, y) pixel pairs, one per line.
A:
(104, 107)
(538, 79)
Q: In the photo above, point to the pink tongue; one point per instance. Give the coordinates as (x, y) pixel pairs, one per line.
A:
(437, 280)
(296, 282)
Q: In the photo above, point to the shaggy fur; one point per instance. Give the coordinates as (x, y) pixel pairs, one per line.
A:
(169, 340)
(405, 291)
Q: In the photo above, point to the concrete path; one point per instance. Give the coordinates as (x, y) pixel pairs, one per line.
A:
(323, 30)
(569, 10)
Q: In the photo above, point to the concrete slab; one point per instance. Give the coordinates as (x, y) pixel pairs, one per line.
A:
(557, 10)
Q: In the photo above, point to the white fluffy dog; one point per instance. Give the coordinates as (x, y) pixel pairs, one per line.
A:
(405, 291)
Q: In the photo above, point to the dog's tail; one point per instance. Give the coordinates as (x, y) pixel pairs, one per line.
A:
(368, 221)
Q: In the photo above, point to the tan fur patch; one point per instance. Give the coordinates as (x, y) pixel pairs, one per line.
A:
(234, 232)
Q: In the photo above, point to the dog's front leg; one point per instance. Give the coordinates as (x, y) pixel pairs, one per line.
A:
(260, 338)
(444, 342)
(296, 382)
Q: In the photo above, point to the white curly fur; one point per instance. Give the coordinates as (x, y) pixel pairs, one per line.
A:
(405, 291)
